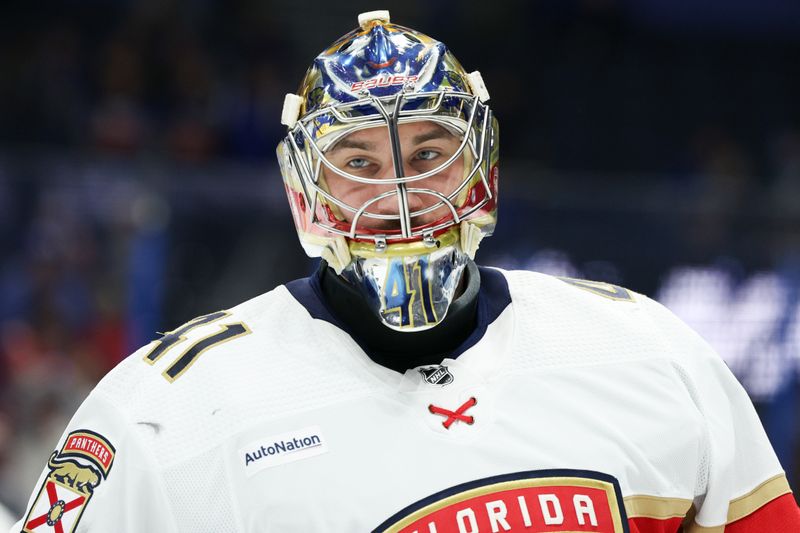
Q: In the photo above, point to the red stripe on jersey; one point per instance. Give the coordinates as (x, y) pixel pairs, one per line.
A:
(781, 515)
(641, 524)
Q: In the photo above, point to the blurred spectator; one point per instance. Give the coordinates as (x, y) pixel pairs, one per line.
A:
(785, 162)
(119, 121)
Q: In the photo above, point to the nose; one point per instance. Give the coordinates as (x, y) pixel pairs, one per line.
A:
(389, 204)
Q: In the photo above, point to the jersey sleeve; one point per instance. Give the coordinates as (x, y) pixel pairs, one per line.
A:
(99, 478)
(741, 486)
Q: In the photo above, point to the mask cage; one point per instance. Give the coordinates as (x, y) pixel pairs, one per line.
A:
(455, 111)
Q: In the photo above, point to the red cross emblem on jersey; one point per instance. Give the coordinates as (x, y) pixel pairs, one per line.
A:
(57, 509)
(76, 471)
(453, 416)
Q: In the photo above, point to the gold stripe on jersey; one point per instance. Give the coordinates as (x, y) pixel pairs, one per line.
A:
(751, 502)
(758, 497)
(601, 288)
(640, 506)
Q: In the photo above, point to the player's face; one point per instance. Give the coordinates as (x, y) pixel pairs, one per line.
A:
(368, 153)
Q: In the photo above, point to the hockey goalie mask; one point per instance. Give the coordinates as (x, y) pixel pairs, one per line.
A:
(390, 165)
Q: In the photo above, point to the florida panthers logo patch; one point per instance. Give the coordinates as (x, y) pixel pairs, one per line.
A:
(75, 472)
(543, 501)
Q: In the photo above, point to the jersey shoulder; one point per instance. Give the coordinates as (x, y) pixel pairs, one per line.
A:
(223, 372)
(171, 354)
(524, 282)
(580, 298)
(568, 321)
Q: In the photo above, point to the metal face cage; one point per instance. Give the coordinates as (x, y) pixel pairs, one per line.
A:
(315, 133)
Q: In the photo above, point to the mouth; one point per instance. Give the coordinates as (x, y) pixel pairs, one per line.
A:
(381, 224)
(394, 224)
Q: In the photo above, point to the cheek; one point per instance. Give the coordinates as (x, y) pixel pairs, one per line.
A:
(335, 185)
(450, 178)
(349, 192)
(339, 187)
(457, 170)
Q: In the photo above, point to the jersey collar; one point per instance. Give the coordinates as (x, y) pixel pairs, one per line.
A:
(492, 299)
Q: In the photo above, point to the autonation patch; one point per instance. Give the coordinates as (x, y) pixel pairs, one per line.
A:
(282, 449)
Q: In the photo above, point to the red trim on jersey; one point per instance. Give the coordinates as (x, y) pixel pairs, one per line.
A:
(781, 515)
(641, 524)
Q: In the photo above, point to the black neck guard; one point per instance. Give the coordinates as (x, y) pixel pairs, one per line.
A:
(395, 349)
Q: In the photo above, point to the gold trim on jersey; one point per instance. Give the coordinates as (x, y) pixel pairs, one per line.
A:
(224, 333)
(162, 346)
(190, 357)
(640, 506)
(758, 497)
(601, 288)
(749, 503)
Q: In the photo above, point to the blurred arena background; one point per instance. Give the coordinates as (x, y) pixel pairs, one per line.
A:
(646, 143)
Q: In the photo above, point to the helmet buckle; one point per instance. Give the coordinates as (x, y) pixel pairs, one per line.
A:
(429, 241)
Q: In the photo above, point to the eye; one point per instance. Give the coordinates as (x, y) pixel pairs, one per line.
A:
(358, 163)
(427, 155)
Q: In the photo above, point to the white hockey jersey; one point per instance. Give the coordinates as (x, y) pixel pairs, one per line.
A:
(575, 406)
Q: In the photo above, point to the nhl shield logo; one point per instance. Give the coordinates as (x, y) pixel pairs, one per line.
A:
(83, 462)
(437, 375)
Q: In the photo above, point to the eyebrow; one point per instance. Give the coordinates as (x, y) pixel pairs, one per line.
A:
(436, 133)
(358, 145)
